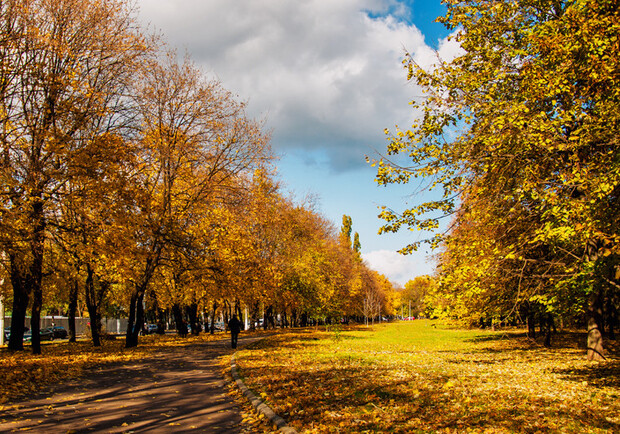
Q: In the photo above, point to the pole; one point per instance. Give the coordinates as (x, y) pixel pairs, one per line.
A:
(1, 315)
(2, 308)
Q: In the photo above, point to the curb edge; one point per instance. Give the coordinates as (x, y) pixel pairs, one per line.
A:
(257, 403)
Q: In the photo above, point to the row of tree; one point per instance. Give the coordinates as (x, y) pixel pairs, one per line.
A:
(130, 180)
(520, 132)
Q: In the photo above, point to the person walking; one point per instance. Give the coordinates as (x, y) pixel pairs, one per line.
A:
(234, 325)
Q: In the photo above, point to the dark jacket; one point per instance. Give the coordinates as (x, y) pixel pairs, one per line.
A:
(234, 325)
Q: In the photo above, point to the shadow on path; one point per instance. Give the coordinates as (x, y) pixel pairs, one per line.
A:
(180, 389)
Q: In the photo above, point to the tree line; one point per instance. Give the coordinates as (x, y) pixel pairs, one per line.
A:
(519, 134)
(132, 183)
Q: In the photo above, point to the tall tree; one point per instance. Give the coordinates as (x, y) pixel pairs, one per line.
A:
(524, 120)
(194, 140)
(64, 64)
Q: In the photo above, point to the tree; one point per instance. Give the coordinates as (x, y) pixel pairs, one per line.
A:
(194, 141)
(523, 122)
(64, 64)
(414, 295)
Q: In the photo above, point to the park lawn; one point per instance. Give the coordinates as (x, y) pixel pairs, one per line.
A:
(422, 376)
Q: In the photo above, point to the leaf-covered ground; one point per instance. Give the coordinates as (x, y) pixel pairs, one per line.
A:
(422, 377)
(22, 373)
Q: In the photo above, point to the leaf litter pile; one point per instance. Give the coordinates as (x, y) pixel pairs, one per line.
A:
(421, 377)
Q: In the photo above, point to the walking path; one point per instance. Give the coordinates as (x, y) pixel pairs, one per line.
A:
(179, 390)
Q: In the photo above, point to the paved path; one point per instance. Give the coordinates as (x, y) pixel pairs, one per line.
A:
(180, 390)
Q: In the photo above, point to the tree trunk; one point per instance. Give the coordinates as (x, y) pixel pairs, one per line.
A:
(21, 296)
(213, 312)
(136, 308)
(595, 337)
(136, 316)
(161, 321)
(531, 323)
(179, 322)
(266, 315)
(254, 315)
(36, 272)
(239, 313)
(611, 304)
(549, 328)
(294, 322)
(192, 311)
(92, 304)
(226, 311)
(73, 301)
(284, 319)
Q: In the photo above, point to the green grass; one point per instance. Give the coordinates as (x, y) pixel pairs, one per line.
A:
(423, 376)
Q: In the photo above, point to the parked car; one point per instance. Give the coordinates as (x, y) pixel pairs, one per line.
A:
(59, 332)
(149, 329)
(7, 333)
(46, 335)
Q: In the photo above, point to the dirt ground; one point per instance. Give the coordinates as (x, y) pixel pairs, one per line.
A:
(180, 390)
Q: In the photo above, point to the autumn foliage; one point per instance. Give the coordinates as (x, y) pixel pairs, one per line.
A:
(132, 185)
(518, 137)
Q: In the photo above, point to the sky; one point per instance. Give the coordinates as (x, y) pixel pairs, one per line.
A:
(326, 78)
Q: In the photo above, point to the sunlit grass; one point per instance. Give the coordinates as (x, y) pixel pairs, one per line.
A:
(421, 377)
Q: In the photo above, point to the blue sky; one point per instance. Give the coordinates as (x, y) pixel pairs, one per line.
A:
(326, 78)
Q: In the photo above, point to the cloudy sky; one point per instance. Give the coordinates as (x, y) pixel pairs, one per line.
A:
(326, 77)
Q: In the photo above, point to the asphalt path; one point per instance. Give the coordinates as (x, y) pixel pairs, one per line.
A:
(180, 389)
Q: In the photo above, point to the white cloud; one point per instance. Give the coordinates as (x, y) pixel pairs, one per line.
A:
(396, 267)
(323, 73)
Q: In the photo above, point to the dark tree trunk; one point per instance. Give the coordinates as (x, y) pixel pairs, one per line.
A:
(92, 304)
(161, 321)
(213, 313)
(35, 318)
(205, 318)
(36, 272)
(136, 307)
(179, 322)
(269, 318)
(531, 323)
(130, 340)
(21, 296)
(73, 302)
(159, 315)
(284, 319)
(549, 328)
(611, 302)
(541, 322)
(294, 322)
(192, 311)
(136, 317)
(227, 314)
(254, 315)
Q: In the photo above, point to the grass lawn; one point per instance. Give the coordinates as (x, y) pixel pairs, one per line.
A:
(422, 376)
